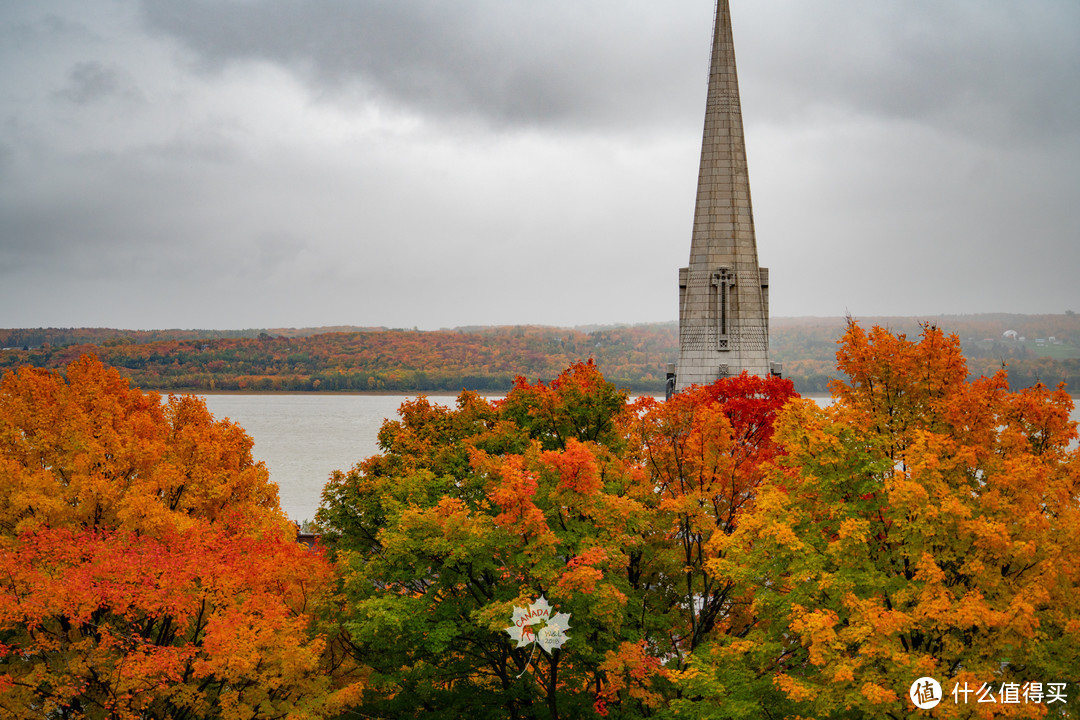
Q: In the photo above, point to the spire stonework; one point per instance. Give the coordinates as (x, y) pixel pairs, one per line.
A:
(723, 294)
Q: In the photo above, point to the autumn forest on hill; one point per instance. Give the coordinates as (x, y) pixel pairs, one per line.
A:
(1046, 349)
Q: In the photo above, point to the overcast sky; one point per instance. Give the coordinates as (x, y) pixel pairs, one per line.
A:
(438, 163)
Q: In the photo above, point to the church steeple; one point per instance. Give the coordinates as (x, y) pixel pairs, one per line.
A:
(723, 294)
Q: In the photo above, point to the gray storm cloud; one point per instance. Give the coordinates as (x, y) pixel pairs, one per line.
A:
(91, 81)
(503, 61)
(999, 67)
(228, 163)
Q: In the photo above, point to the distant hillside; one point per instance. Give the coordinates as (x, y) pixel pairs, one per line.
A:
(26, 338)
(488, 358)
(807, 346)
(383, 360)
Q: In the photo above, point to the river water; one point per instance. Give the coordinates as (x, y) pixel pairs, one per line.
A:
(303, 438)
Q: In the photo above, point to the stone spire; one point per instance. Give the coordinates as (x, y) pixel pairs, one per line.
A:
(723, 294)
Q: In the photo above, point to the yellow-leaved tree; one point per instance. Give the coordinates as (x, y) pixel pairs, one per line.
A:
(922, 525)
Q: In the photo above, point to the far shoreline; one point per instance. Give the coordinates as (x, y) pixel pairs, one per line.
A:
(413, 393)
(333, 393)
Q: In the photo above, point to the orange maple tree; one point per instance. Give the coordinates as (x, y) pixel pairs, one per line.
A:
(146, 570)
(470, 512)
(922, 525)
(563, 489)
(701, 456)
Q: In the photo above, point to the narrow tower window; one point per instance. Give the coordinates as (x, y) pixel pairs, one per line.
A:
(722, 280)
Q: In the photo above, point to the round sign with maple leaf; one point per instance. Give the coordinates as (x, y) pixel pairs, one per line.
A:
(536, 623)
